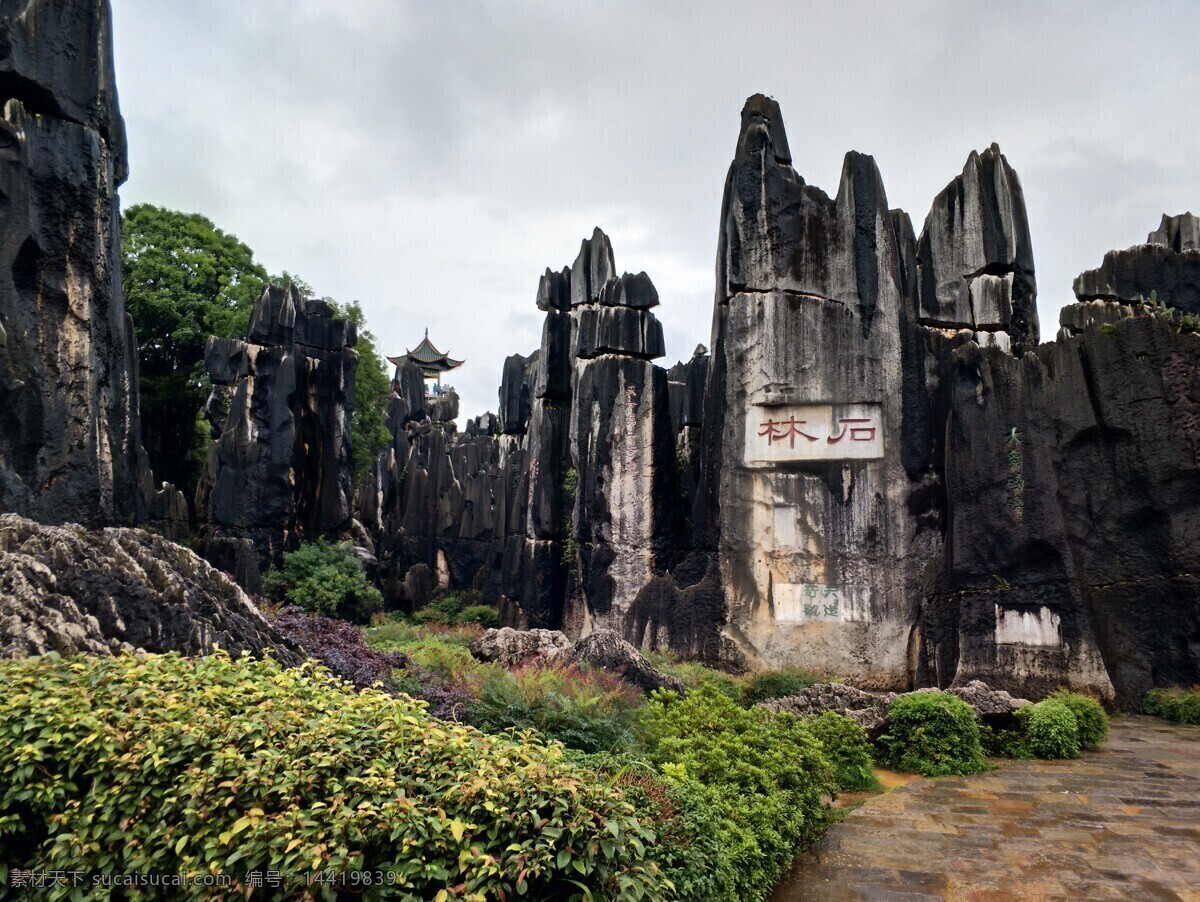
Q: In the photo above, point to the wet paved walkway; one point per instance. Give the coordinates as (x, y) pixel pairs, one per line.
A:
(1123, 822)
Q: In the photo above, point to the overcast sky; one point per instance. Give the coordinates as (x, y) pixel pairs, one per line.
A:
(432, 159)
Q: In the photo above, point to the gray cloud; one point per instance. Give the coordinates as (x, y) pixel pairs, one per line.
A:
(432, 159)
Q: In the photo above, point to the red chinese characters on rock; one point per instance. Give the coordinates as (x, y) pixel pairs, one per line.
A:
(787, 430)
(778, 430)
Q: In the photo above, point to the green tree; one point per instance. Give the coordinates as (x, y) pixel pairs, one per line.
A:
(184, 280)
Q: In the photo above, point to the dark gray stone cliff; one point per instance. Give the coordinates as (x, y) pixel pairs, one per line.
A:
(70, 443)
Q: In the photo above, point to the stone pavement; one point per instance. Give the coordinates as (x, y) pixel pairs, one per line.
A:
(1123, 822)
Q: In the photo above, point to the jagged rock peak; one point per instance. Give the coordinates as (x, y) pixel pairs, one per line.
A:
(762, 119)
(273, 319)
(1165, 268)
(592, 268)
(629, 291)
(1179, 233)
(974, 257)
(780, 234)
(554, 290)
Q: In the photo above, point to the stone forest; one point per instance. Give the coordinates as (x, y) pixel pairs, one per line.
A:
(644, 630)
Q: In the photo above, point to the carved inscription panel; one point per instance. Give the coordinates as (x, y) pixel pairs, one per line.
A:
(813, 432)
(807, 602)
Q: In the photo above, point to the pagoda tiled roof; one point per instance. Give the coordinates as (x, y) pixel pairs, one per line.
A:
(428, 357)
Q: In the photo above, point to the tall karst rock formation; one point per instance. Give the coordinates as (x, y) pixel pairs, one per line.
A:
(278, 469)
(900, 485)
(803, 475)
(70, 445)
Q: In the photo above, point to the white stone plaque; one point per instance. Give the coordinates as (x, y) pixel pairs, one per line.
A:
(1035, 629)
(813, 432)
(810, 602)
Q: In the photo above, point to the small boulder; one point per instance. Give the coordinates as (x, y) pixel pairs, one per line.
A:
(510, 647)
(870, 710)
(607, 650)
(988, 702)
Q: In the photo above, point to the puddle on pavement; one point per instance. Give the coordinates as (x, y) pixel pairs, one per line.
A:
(888, 780)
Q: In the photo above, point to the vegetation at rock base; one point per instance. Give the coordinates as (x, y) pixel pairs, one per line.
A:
(846, 747)
(341, 647)
(456, 608)
(325, 579)
(933, 734)
(778, 684)
(1051, 730)
(1180, 705)
(586, 709)
(161, 764)
(1089, 717)
(184, 279)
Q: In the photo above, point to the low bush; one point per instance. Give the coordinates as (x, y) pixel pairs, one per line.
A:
(778, 684)
(934, 734)
(693, 674)
(161, 764)
(1180, 705)
(397, 631)
(1051, 730)
(688, 818)
(340, 646)
(327, 580)
(457, 608)
(585, 709)
(847, 748)
(763, 772)
(486, 617)
(1005, 742)
(1089, 717)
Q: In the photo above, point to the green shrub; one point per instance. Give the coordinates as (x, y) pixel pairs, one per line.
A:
(325, 579)
(778, 684)
(692, 836)
(934, 734)
(479, 613)
(454, 609)
(847, 748)
(398, 631)
(161, 764)
(694, 674)
(1006, 742)
(585, 709)
(764, 772)
(1180, 705)
(1051, 731)
(1089, 716)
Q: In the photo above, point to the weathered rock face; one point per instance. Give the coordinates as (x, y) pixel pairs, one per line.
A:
(1073, 488)
(278, 471)
(623, 522)
(70, 446)
(803, 470)
(1167, 266)
(974, 258)
(79, 591)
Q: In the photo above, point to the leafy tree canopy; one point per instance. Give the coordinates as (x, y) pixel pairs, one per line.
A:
(184, 280)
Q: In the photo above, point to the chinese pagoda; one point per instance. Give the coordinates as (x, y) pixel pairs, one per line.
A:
(431, 362)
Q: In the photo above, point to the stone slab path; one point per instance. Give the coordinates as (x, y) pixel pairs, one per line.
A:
(1123, 822)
